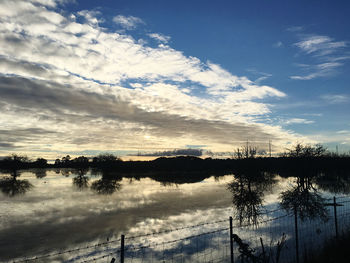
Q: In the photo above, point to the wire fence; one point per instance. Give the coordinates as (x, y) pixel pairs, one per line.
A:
(212, 241)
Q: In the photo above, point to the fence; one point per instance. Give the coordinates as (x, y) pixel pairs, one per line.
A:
(219, 241)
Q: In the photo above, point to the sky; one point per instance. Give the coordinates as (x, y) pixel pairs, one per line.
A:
(85, 77)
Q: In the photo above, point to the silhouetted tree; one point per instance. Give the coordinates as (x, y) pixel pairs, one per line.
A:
(40, 162)
(105, 158)
(304, 151)
(81, 160)
(66, 159)
(246, 152)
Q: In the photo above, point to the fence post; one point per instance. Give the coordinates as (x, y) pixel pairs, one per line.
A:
(296, 233)
(231, 240)
(122, 249)
(335, 217)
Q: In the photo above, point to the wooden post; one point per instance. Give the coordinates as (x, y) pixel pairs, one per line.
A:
(335, 217)
(231, 240)
(334, 204)
(296, 234)
(122, 249)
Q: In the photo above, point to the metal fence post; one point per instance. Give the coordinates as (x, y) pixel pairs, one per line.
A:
(122, 249)
(231, 240)
(335, 217)
(296, 233)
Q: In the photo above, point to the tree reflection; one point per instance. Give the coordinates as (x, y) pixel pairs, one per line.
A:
(40, 173)
(108, 184)
(11, 186)
(308, 203)
(247, 194)
(65, 172)
(334, 182)
(81, 181)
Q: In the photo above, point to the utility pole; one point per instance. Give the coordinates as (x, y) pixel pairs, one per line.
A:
(270, 147)
(247, 150)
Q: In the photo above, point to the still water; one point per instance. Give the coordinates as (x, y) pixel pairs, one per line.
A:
(42, 211)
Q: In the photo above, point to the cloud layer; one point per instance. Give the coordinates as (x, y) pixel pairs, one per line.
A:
(86, 87)
(329, 54)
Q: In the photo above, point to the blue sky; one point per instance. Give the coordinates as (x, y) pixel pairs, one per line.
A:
(128, 76)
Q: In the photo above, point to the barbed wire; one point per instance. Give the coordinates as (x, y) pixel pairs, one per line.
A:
(145, 235)
(65, 251)
(101, 257)
(271, 211)
(343, 196)
(152, 245)
(343, 202)
(177, 229)
(262, 222)
(193, 226)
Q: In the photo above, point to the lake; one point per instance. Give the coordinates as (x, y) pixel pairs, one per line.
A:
(46, 212)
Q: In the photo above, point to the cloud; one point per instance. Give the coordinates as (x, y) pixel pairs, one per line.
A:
(262, 75)
(76, 114)
(295, 28)
(7, 145)
(90, 16)
(128, 22)
(192, 152)
(320, 45)
(328, 54)
(297, 121)
(335, 98)
(159, 37)
(326, 69)
(343, 132)
(95, 89)
(278, 44)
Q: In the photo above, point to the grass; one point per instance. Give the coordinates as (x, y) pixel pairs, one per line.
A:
(336, 251)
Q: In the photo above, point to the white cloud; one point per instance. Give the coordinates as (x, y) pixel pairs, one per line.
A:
(326, 69)
(160, 37)
(278, 44)
(320, 45)
(343, 132)
(128, 22)
(326, 51)
(295, 28)
(90, 16)
(335, 98)
(82, 72)
(297, 121)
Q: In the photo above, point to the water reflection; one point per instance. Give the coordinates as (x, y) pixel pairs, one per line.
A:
(65, 172)
(11, 186)
(142, 205)
(40, 173)
(334, 182)
(247, 190)
(108, 184)
(305, 198)
(81, 181)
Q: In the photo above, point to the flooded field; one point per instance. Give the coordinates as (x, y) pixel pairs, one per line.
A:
(47, 212)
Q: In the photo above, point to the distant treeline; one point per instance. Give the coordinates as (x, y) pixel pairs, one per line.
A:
(300, 158)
